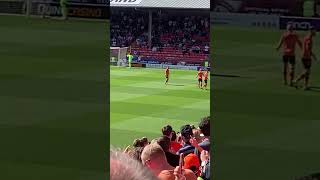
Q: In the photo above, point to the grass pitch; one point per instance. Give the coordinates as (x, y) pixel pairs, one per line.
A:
(263, 130)
(52, 98)
(141, 104)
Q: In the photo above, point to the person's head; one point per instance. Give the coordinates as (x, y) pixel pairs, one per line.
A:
(167, 131)
(173, 136)
(135, 153)
(137, 143)
(153, 141)
(179, 138)
(204, 126)
(153, 157)
(290, 28)
(192, 162)
(197, 135)
(124, 167)
(186, 133)
(144, 141)
(164, 143)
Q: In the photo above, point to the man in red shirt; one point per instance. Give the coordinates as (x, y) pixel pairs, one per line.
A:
(167, 73)
(199, 75)
(205, 76)
(288, 41)
(307, 58)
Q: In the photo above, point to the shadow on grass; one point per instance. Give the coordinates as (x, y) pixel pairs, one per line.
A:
(175, 84)
(228, 76)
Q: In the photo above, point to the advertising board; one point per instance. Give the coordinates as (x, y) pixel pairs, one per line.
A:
(245, 20)
(300, 23)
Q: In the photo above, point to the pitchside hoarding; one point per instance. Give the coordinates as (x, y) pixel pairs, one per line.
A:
(96, 9)
(245, 20)
(300, 23)
(279, 7)
(124, 2)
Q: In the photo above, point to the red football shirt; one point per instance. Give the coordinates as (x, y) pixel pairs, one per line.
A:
(307, 47)
(289, 43)
(205, 76)
(167, 72)
(175, 146)
(200, 73)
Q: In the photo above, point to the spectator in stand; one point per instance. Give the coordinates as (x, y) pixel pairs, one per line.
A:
(172, 159)
(154, 158)
(186, 134)
(137, 143)
(167, 131)
(144, 141)
(204, 127)
(192, 162)
(174, 144)
(197, 135)
(206, 49)
(123, 167)
(135, 153)
(205, 165)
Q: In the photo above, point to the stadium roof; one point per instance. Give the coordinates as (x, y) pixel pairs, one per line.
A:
(177, 4)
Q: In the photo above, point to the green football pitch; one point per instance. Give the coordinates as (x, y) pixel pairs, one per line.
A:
(141, 104)
(53, 99)
(263, 130)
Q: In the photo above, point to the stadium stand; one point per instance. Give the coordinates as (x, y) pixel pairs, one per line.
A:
(176, 36)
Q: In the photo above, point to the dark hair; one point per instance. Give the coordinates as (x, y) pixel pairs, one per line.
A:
(174, 136)
(164, 142)
(186, 132)
(204, 126)
(167, 130)
(144, 140)
(135, 153)
(137, 143)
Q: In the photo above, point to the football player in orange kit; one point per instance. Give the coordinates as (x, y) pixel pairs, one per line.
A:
(307, 58)
(288, 41)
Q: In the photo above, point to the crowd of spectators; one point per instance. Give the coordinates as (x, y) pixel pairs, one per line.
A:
(128, 26)
(188, 34)
(159, 159)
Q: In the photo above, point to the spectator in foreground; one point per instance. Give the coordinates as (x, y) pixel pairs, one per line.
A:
(167, 131)
(204, 127)
(135, 153)
(205, 165)
(186, 134)
(192, 162)
(122, 167)
(144, 141)
(172, 159)
(174, 144)
(154, 158)
(137, 143)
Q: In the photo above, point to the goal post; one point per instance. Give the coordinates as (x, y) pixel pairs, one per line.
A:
(118, 56)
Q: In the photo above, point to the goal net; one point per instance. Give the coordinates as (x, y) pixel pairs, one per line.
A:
(118, 56)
